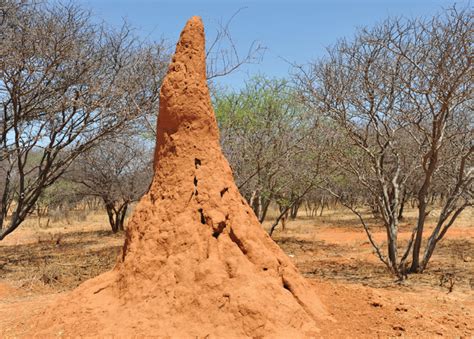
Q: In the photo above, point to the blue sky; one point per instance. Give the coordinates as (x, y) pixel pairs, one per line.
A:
(297, 31)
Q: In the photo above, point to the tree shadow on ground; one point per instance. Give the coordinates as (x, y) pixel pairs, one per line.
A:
(452, 264)
(60, 261)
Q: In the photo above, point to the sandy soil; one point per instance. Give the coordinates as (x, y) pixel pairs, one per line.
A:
(331, 251)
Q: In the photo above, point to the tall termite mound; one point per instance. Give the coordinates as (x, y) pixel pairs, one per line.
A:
(196, 261)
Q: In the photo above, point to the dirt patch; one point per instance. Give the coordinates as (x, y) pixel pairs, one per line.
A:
(363, 311)
(7, 290)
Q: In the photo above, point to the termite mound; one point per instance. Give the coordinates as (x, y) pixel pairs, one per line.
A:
(196, 261)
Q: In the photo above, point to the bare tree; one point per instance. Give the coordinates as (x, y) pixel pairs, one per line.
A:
(65, 82)
(222, 55)
(118, 171)
(401, 94)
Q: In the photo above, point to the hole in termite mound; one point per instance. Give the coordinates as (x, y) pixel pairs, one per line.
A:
(237, 241)
(286, 286)
(224, 190)
(219, 230)
(203, 219)
(195, 185)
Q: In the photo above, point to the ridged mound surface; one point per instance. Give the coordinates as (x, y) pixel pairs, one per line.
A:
(196, 261)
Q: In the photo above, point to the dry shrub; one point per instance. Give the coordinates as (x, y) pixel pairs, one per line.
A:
(81, 215)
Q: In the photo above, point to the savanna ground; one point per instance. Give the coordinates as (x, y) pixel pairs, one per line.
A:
(38, 263)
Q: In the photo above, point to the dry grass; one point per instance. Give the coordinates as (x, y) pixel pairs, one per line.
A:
(335, 247)
(58, 258)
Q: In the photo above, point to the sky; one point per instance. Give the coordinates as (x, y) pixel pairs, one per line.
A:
(296, 31)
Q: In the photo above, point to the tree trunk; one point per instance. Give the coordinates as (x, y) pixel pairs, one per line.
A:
(322, 207)
(283, 214)
(121, 217)
(430, 161)
(264, 209)
(109, 207)
(415, 264)
(393, 248)
(116, 216)
(294, 210)
(400, 212)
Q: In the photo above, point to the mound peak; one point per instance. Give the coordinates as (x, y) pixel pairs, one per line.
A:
(196, 261)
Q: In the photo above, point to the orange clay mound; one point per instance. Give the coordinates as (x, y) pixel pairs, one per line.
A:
(196, 262)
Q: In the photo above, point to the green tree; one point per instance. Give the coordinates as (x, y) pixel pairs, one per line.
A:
(271, 143)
